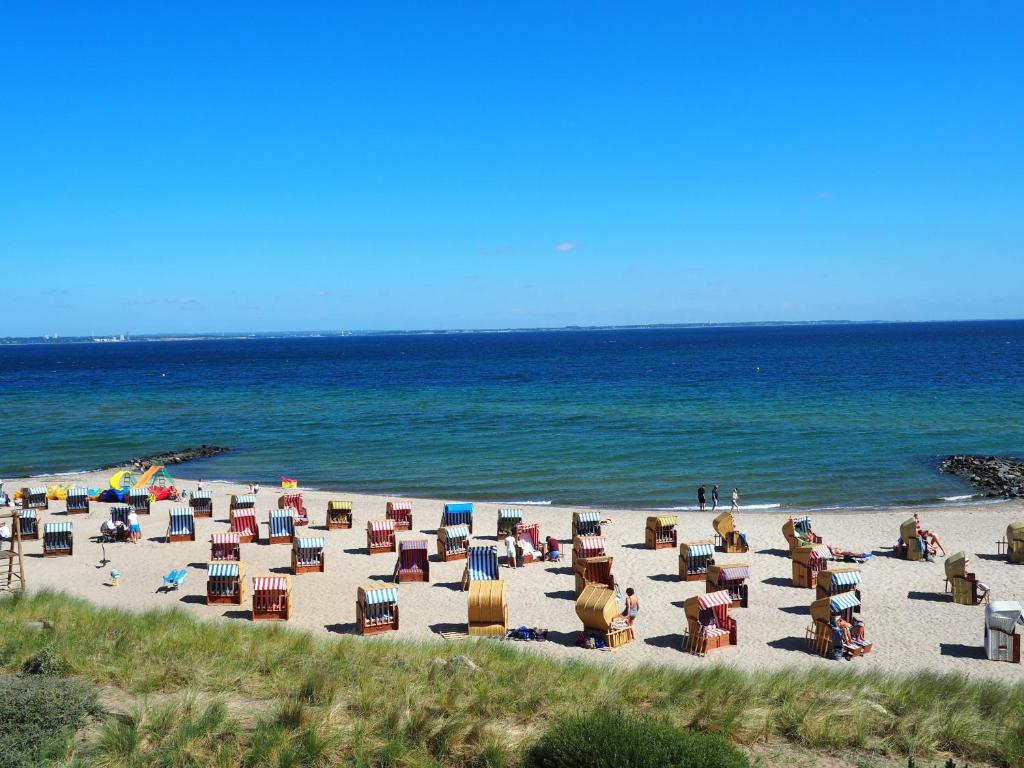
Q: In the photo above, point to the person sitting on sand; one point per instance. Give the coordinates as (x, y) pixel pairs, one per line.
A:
(632, 608)
(5, 532)
(554, 549)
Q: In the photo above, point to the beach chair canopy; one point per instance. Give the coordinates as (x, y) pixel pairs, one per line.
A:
(28, 514)
(310, 543)
(57, 528)
(202, 495)
(712, 599)
(269, 584)
(735, 572)
(456, 532)
(698, 548)
(457, 513)
(835, 579)
(955, 566)
(381, 526)
(510, 514)
(460, 507)
(589, 546)
(1015, 532)
(802, 525)
(400, 506)
(411, 544)
(588, 517)
(1003, 615)
(38, 490)
(222, 570)
(378, 595)
(596, 607)
(908, 530)
(77, 491)
(843, 602)
(136, 493)
(243, 501)
(663, 521)
(482, 563)
(807, 554)
(225, 538)
(282, 522)
(339, 505)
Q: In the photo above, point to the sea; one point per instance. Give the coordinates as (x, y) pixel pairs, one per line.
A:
(801, 417)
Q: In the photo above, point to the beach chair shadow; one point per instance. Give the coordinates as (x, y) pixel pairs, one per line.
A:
(673, 641)
(562, 638)
(961, 651)
(445, 628)
(928, 597)
(355, 551)
(561, 571)
(796, 610)
(193, 599)
(432, 532)
(281, 569)
(790, 644)
(562, 594)
(388, 578)
(664, 577)
(774, 551)
(678, 603)
(33, 554)
(342, 629)
(989, 556)
(156, 539)
(454, 586)
(778, 581)
(198, 566)
(237, 615)
(635, 545)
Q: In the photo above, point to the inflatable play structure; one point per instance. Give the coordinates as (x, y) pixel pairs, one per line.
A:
(157, 479)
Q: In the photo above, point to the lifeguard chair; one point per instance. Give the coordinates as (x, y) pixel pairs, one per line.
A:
(401, 513)
(531, 535)
(819, 634)
(798, 533)
(508, 519)
(836, 581)
(225, 583)
(31, 524)
(487, 609)
(453, 542)
(808, 562)
(58, 540)
(708, 623)
(963, 584)
(34, 498)
(660, 532)
(181, 525)
(1002, 635)
(226, 547)
(376, 610)
(413, 561)
(1013, 544)
(271, 598)
(138, 500)
(695, 557)
(588, 546)
(597, 608)
(457, 514)
(294, 502)
(593, 570)
(380, 537)
(727, 538)
(339, 514)
(307, 555)
(201, 503)
(282, 525)
(586, 524)
(77, 501)
(731, 578)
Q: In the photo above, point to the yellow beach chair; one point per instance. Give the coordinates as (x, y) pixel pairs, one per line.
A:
(598, 610)
(660, 532)
(488, 609)
(727, 537)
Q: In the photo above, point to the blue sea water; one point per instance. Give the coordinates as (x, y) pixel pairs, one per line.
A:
(798, 416)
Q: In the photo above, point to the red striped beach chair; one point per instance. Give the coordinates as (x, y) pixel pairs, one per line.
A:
(453, 542)
(808, 562)
(401, 513)
(271, 598)
(376, 610)
(78, 501)
(243, 522)
(339, 514)
(709, 625)
(308, 555)
(733, 579)
(413, 561)
(593, 570)
(530, 545)
(660, 532)
(58, 540)
(282, 526)
(587, 546)
(201, 503)
(294, 501)
(138, 499)
(226, 547)
(380, 537)
(225, 583)
(181, 526)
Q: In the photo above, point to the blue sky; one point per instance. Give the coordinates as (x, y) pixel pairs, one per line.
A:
(223, 167)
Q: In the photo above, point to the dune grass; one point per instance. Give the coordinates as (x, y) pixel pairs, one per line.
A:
(231, 693)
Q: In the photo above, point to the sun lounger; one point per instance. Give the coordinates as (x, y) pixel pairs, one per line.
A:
(481, 565)
(294, 502)
(243, 522)
(695, 557)
(808, 562)
(1014, 542)
(508, 519)
(708, 623)
(727, 538)
(588, 546)
(660, 532)
(1002, 631)
(530, 534)
(487, 609)
(413, 561)
(586, 524)
(593, 570)
(225, 583)
(963, 584)
(34, 498)
(271, 598)
(820, 634)
(201, 503)
(380, 537)
(181, 525)
(401, 513)
(731, 578)
(225, 547)
(911, 547)
(307, 555)
(173, 580)
(457, 514)
(453, 542)
(376, 610)
(138, 499)
(835, 581)
(77, 501)
(339, 514)
(282, 525)
(30, 520)
(598, 609)
(58, 540)
(798, 533)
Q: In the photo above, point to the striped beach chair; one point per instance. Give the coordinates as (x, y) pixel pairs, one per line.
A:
(376, 610)
(508, 519)
(225, 583)
(708, 623)
(487, 609)
(481, 565)
(457, 514)
(138, 499)
(586, 524)
(271, 598)
(822, 635)
(30, 524)
(733, 579)
(798, 533)
(660, 532)
(119, 516)
(58, 540)
(242, 501)
(530, 544)
(282, 526)
(243, 522)
(78, 501)
(226, 547)
(1002, 635)
(339, 514)
(808, 562)
(695, 557)
(598, 609)
(401, 513)
(413, 561)
(308, 555)
(593, 570)
(588, 546)
(294, 501)
(201, 503)
(835, 581)
(380, 537)
(181, 526)
(452, 542)
(34, 498)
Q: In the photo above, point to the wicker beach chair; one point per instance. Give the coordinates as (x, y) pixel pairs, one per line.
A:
(481, 565)
(487, 609)
(226, 547)
(588, 546)
(708, 623)
(836, 581)
(798, 533)
(401, 513)
(181, 525)
(413, 561)
(508, 519)
(819, 635)
(457, 514)
(731, 578)
(598, 609)
(294, 502)
(271, 598)
(242, 501)
(453, 542)
(282, 525)
(727, 538)
(243, 522)
(911, 546)
(695, 557)
(58, 540)
(530, 534)
(77, 501)
(31, 524)
(225, 583)
(376, 610)
(1002, 631)
(34, 498)
(119, 516)
(1014, 542)
(201, 503)
(963, 584)
(308, 555)
(586, 523)
(660, 532)
(339, 514)
(593, 570)
(380, 537)
(138, 499)
(808, 562)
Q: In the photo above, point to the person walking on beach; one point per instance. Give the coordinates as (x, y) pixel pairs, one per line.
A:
(714, 498)
(255, 489)
(701, 498)
(251, 492)
(632, 608)
(510, 550)
(199, 487)
(735, 500)
(134, 529)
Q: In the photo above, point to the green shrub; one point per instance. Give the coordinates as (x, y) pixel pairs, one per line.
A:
(630, 741)
(39, 717)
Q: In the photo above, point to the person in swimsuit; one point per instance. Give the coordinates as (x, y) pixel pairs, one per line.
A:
(632, 606)
(701, 499)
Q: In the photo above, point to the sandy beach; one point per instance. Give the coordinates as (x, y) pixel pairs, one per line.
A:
(913, 624)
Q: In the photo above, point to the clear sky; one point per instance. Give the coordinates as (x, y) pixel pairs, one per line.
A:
(186, 167)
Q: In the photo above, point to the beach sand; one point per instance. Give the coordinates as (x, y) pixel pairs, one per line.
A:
(912, 623)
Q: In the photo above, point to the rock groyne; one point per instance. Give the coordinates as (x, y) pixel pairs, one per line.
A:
(171, 457)
(992, 475)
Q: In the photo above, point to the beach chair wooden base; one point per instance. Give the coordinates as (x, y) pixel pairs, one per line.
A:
(700, 644)
(34, 536)
(62, 552)
(282, 615)
(175, 537)
(339, 524)
(377, 627)
(804, 577)
(280, 539)
(686, 575)
(403, 525)
(448, 557)
(411, 577)
(380, 549)
(248, 538)
(486, 630)
(298, 568)
(216, 599)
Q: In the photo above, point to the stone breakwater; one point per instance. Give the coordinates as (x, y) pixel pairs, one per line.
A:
(992, 475)
(172, 457)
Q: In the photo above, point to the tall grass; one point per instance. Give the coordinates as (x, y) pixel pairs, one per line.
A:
(290, 698)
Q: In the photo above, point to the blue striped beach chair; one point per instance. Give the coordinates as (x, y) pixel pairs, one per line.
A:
(452, 542)
(586, 524)
(119, 516)
(308, 555)
(695, 557)
(481, 565)
(282, 526)
(821, 633)
(34, 498)
(138, 499)
(29, 524)
(376, 610)
(413, 561)
(225, 583)
(77, 501)
(181, 526)
(201, 503)
(457, 514)
(508, 519)
(835, 581)
(58, 540)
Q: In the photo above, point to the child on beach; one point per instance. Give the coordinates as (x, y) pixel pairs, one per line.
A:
(510, 550)
(134, 529)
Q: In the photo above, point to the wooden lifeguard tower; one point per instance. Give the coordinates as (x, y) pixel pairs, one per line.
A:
(12, 561)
